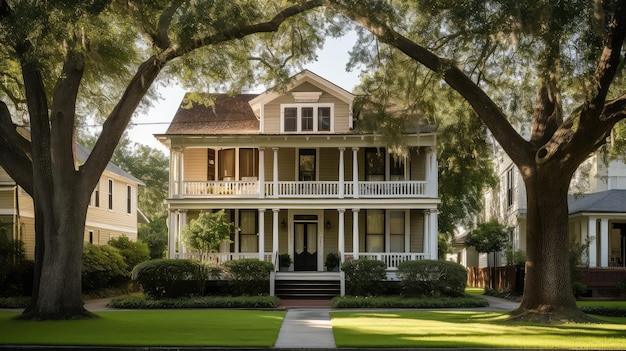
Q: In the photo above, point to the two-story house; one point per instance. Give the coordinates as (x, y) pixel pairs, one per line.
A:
(295, 178)
(112, 212)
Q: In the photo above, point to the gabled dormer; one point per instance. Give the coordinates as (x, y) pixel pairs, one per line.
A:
(308, 105)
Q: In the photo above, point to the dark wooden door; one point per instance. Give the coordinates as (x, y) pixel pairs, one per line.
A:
(305, 246)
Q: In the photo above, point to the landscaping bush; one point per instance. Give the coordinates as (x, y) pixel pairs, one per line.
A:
(133, 252)
(432, 278)
(103, 268)
(364, 277)
(134, 302)
(605, 311)
(16, 273)
(248, 276)
(170, 278)
(405, 302)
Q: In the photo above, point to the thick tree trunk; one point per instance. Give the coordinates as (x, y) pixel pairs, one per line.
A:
(548, 294)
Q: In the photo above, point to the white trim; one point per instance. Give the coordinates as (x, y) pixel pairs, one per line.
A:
(110, 193)
(132, 230)
(299, 107)
(306, 96)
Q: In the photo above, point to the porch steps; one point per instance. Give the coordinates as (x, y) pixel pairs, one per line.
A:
(310, 285)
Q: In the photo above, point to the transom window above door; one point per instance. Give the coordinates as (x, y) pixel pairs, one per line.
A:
(306, 117)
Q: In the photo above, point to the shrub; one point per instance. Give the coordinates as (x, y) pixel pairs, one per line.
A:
(134, 302)
(406, 302)
(133, 252)
(432, 278)
(170, 278)
(103, 268)
(248, 276)
(364, 277)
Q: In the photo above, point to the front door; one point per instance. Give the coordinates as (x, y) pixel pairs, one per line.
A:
(305, 246)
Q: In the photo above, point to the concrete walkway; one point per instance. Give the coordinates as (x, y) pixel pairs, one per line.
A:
(306, 328)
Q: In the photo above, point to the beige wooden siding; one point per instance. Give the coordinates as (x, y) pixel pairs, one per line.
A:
(4, 176)
(7, 200)
(195, 164)
(271, 114)
(28, 236)
(329, 164)
(418, 164)
(331, 235)
(417, 231)
(283, 233)
(286, 165)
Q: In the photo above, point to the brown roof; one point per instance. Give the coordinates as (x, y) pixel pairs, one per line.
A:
(229, 114)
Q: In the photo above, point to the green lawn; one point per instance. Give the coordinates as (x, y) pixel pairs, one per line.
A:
(150, 328)
(608, 304)
(440, 329)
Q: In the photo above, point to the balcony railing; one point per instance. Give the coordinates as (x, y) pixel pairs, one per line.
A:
(320, 189)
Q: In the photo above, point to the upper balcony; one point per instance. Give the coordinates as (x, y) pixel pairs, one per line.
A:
(307, 189)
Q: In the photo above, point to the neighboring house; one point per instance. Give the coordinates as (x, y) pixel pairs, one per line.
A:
(112, 211)
(295, 178)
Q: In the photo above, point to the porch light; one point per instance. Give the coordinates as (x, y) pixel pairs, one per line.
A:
(283, 224)
(327, 224)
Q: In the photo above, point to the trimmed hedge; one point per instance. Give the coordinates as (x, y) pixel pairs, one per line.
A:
(14, 302)
(605, 311)
(432, 278)
(170, 278)
(248, 276)
(133, 252)
(364, 277)
(405, 302)
(103, 268)
(196, 302)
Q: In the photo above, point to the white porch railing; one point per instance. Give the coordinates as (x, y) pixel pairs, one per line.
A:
(391, 259)
(220, 258)
(297, 189)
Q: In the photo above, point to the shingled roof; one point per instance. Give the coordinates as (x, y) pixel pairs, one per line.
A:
(610, 201)
(229, 114)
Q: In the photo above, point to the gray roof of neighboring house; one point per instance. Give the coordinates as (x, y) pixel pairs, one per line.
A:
(82, 153)
(610, 201)
(228, 114)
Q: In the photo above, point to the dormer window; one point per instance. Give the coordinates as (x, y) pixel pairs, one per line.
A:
(306, 117)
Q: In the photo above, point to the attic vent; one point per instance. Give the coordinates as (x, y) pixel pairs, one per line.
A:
(306, 96)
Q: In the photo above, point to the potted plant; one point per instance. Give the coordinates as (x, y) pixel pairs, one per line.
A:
(332, 262)
(284, 262)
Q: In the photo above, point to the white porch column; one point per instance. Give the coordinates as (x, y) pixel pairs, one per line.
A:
(355, 172)
(432, 172)
(426, 244)
(341, 241)
(434, 229)
(355, 233)
(593, 242)
(261, 172)
(172, 235)
(275, 234)
(262, 234)
(341, 172)
(182, 221)
(275, 175)
(173, 188)
(604, 242)
(180, 172)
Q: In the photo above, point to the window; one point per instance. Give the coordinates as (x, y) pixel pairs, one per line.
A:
(248, 240)
(375, 231)
(91, 236)
(210, 173)
(396, 231)
(226, 164)
(248, 163)
(374, 164)
(110, 194)
(323, 119)
(129, 199)
(96, 195)
(509, 187)
(396, 169)
(307, 117)
(307, 165)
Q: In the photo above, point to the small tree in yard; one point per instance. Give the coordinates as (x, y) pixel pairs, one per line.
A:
(489, 237)
(207, 232)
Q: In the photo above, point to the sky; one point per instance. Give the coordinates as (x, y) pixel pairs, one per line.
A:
(331, 63)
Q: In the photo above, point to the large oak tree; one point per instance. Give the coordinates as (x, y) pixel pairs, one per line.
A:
(563, 60)
(65, 59)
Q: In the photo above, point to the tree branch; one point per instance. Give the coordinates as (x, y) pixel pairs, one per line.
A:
(15, 151)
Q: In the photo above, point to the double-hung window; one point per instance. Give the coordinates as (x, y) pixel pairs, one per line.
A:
(306, 117)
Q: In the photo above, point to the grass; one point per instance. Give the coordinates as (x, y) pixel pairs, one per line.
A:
(218, 328)
(440, 329)
(600, 303)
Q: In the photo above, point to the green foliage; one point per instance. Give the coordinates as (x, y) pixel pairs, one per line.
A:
(605, 311)
(332, 261)
(208, 231)
(134, 302)
(103, 268)
(488, 237)
(16, 273)
(515, 257)
(154, 234)
(364, 277)
(248, 276)
(508, 294)
(133, 252)
(432, 278)
(575, 255)
(167, 278)
(284, 260)
(407, 302)
(14, 302)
